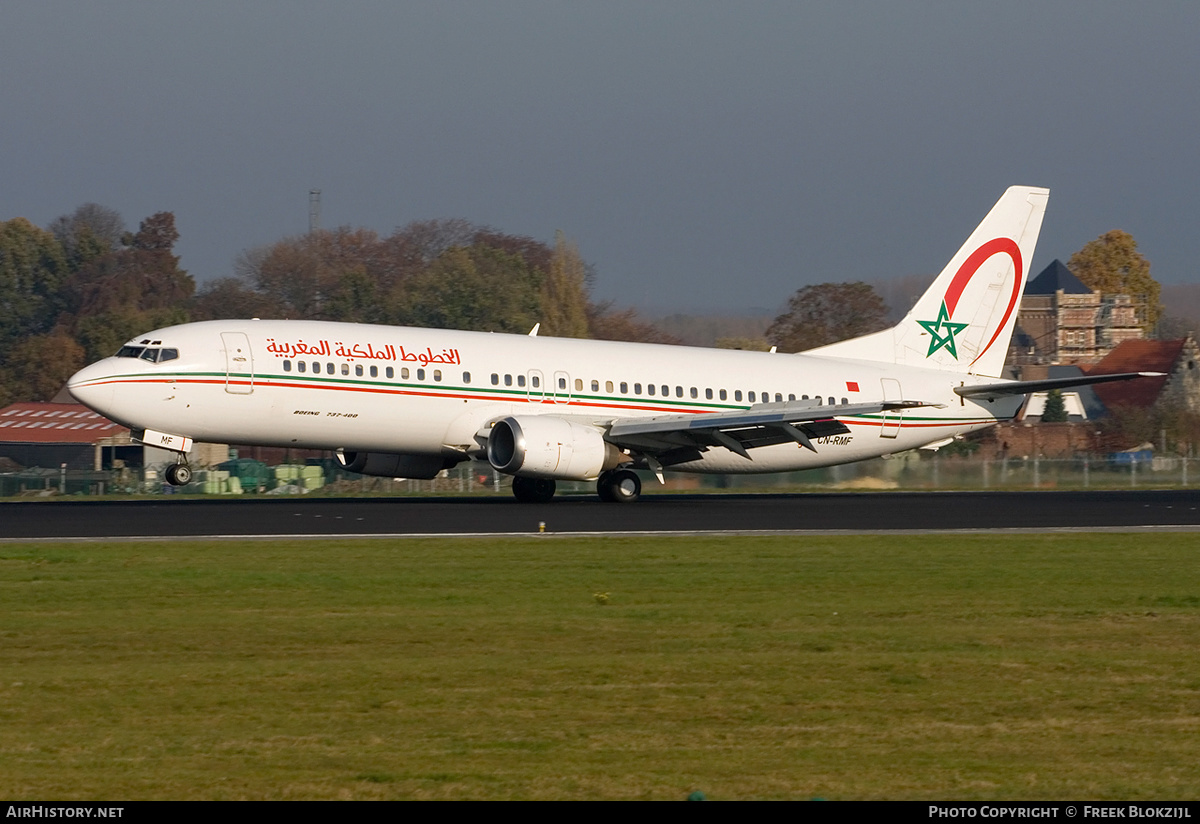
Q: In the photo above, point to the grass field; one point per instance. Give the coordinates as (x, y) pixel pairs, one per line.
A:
(947, 667)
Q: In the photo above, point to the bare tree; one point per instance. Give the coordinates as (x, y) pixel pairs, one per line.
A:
(827, 313)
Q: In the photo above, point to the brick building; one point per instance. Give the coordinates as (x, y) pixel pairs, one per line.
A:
(1061, 321)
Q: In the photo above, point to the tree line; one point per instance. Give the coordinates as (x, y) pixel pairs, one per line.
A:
(73, 292)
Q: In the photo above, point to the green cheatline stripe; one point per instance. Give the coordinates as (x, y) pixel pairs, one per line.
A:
(914, 418)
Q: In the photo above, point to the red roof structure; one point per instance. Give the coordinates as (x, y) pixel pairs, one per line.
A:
(55, 423)
(1140, 356)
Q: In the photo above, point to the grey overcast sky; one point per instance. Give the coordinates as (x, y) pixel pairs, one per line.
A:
(703, 155)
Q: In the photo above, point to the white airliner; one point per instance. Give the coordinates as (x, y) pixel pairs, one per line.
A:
(405, 402)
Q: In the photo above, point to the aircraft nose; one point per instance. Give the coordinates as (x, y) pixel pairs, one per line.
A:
(90, 387)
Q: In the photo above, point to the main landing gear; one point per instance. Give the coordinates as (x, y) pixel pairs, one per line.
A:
(179, 474)
(533, 490)
(619, 486)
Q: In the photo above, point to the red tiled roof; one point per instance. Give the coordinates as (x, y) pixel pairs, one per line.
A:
(1136, 356)
(54, 423)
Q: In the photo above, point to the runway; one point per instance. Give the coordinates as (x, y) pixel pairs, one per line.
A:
(663, 514)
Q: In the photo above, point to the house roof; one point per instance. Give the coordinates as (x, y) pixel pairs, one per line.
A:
(1136, 356)
(54, 423)
(1056, 277)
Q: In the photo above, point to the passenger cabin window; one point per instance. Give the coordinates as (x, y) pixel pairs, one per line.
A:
(508, 380)
(287, 366)
(520, 380)
(562, 383)
(637, 389)
(495, 379)
(329, 368)
(737, 394)
(403, 373)
(420, 374)
(437, 375)
(666, 390)
(466, 377)
(358, 370)
(301, 366)
(316, 368)
(374, 371)
(724, 395)
(608, 387)
(650, 389)
(389, 372)
(708, 394)
(345, 369)
(596, 386)
(624, 388)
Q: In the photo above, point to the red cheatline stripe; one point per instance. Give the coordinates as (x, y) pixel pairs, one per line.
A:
(547, 399)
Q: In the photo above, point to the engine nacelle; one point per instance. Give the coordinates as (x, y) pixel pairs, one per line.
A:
(545, 446)
(388, 465)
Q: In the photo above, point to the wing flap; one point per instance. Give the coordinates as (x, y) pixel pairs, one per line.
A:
(744, 429)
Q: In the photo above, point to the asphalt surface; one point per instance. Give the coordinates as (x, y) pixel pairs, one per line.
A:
(849, 512)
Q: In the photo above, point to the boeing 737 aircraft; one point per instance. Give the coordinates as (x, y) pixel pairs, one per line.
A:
(404, 402)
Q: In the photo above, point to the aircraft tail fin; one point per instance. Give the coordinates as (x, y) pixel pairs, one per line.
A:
(964, 321)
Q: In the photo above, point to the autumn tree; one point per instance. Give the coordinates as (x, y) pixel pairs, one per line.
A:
(564, 292)
(472, 287)
(129, 290)
(827, 313)
(230, 298)
(746, 344)
(32, 271)
(606, 322)
(38, 367)
(90, 231)
(339, 274)
(1111, 264)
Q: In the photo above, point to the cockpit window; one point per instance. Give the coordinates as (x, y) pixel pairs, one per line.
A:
(148, 353)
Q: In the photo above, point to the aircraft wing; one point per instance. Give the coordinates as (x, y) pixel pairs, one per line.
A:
(672, 439)
(995, 390)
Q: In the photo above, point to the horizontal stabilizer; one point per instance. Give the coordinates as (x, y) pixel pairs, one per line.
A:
(991, 391)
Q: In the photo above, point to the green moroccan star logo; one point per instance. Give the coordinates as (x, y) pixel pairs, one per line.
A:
(944, 337)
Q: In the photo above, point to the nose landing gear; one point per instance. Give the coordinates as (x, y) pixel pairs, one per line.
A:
(178, 474)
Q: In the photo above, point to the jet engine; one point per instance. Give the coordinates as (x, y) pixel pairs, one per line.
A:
(389, 465)
(545, 446)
